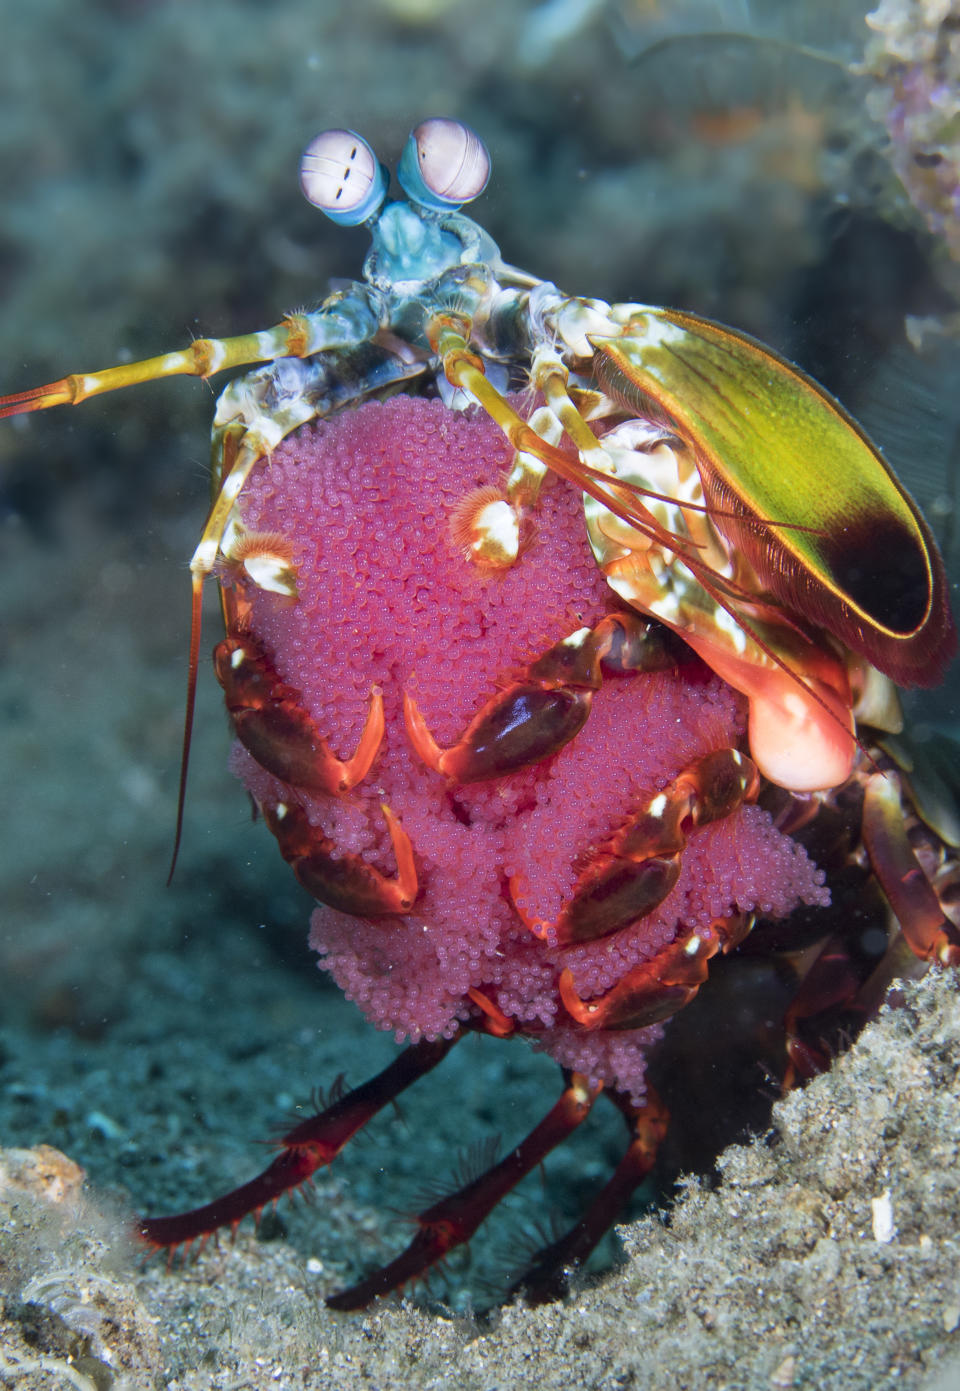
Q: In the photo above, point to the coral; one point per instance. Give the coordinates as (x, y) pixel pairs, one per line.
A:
(388, 601)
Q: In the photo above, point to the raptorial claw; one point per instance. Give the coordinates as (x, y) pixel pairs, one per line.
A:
(519, 726)
(346, 882)
(271, 723)
(658, 988)
(634, 872)
(533, 719)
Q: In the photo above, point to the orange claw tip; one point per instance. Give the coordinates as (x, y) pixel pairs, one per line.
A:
(424, 745)
(577, 1008)
(357, 767)
(407, 884)
(497, 1023)
(543, 931)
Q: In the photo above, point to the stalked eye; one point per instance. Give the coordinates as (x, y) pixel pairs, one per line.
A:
(444, 164)
(340, 175)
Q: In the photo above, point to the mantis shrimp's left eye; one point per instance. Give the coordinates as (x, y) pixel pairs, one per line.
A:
(340, 175)
(444, 164)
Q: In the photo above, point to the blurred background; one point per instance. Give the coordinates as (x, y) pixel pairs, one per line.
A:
(791, 169)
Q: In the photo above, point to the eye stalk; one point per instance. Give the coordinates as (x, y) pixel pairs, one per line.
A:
(340, 175)
(444, 164)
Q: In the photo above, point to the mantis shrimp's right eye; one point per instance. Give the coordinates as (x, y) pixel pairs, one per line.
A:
(444, 164)
(340, 175)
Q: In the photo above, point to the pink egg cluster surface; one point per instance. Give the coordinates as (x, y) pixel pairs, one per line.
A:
(388, 600)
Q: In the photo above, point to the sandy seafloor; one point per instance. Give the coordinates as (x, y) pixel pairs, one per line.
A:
(157, 1036)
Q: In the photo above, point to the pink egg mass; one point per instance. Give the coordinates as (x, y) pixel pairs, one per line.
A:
(388, 601)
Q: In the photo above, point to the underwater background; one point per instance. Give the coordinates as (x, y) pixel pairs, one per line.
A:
(788, 168)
